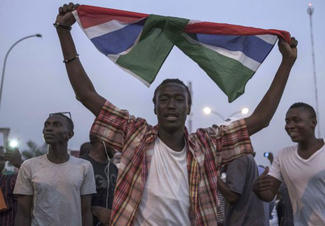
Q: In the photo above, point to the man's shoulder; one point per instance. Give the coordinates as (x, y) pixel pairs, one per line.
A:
(79, 161)
(287, 151)
(34, 161)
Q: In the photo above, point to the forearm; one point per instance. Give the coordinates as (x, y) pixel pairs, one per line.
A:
(87, 218)
(267, 107)
(271, 100)
(22, 220)
(230, 196)
(77, 75)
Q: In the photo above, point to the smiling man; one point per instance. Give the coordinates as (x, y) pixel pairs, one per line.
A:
(167, 176)
(300, 167)
(55, 188)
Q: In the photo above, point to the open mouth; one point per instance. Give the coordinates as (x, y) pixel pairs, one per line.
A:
(171, 117)
(48, 136)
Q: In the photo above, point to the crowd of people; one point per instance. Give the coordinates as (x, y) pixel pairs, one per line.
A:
(133, 173)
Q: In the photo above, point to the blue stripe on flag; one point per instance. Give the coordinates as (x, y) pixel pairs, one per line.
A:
(250, 45)
(120, 40)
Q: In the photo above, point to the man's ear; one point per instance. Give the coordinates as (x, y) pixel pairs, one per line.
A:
(314, 122)
(188, 110)
(70, 134)
(154, 109)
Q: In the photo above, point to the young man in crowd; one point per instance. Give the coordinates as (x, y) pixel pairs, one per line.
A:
(166, 176)
(7, 184)
(105, 175)
(55, 188)
(243, 207)
(301, 167)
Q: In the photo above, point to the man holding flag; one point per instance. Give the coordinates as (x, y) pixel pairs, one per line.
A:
(167, 176)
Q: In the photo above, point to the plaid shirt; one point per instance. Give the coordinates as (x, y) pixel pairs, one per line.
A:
(208, 150)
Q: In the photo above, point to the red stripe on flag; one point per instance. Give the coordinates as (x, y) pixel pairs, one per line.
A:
(91, 15)
(229, 29)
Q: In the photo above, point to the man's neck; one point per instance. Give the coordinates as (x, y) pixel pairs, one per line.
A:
(174, 140)
(308, 147)
(98, 155)
(58, 153)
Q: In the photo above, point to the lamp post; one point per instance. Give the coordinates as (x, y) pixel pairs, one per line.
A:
(208, 110)
(5, 60)
(310, 11)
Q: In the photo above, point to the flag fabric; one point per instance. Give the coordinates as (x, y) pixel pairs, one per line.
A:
(140, 43)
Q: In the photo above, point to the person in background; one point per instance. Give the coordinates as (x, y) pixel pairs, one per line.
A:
(105, 172)
(243, 207)
(55, 188)
(7, 183)
(301, 167)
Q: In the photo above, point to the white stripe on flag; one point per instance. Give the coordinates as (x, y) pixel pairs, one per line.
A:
(271, 39)
(105, 28)
(236, 55)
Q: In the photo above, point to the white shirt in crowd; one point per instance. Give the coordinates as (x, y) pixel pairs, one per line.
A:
(56, 189)
(305, 180)
(165, 199)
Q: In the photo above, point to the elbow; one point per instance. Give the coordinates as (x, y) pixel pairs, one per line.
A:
(265, 124)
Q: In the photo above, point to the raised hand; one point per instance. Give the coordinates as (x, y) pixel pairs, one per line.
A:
(65, 16)
(288, 51)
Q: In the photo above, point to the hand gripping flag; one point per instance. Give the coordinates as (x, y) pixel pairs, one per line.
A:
(140, 43)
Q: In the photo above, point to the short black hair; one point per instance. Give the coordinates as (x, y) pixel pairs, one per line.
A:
(69, 120)
(306, 107)
(85, 148)
(173, 80)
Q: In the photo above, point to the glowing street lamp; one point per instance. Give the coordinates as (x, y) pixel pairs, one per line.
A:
(13, 143)
(208, 110)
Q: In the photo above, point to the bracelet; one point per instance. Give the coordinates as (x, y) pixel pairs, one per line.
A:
(62, 26)
(71, 59)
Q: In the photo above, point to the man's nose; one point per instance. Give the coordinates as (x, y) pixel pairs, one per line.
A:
(171, 103)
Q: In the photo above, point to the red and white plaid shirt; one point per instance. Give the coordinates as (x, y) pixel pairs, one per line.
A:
(208, 149)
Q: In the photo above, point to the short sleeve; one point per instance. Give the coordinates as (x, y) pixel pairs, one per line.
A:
(233, 141)
(115, 126)
(24, 184)
(88, 185)
(275, 170)
(236, 174)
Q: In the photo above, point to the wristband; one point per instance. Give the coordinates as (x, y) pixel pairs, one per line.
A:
(71, 59)
(62, 26)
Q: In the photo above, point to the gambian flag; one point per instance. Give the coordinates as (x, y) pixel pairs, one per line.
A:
(140, 43)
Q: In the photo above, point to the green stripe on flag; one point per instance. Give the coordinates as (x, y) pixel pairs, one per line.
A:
(148, 55)
(230, 75)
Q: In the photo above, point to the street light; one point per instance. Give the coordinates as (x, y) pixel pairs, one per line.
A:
(310, 11)
(5, 60)
(208, 110)
(13, 143)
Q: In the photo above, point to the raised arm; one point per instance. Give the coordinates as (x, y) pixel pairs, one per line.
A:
(24, 207)
(81, 84)
(265, 110)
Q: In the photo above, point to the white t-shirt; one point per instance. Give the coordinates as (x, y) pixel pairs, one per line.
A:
(165, 199)
(305, 179)
(56, 189)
